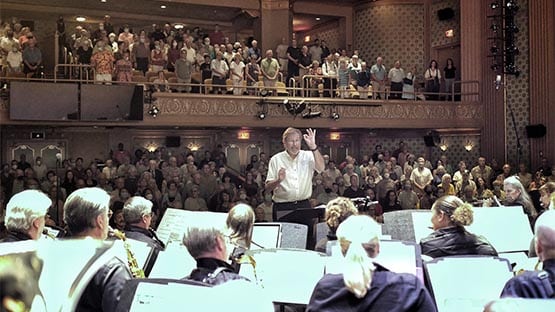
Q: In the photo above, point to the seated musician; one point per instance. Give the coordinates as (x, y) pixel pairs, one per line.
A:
(207, 245)
(337, 211)
(532, 284)
(25, 216)
(86, 215)
(365, 285)
(240, 221)
(449, 216)
(137, 213)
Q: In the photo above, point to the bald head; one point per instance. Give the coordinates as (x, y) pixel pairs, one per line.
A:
(545, 235)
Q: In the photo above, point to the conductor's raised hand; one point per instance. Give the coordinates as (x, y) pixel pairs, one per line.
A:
(310, 138)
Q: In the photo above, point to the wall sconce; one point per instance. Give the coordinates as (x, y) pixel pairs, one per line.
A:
(193, 146)
(450, 33)
(469, 145)
(443, 146)
(151, 146)
(244, 135)
(335, 136)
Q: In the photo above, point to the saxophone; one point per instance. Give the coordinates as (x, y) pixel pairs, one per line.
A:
(136, 271)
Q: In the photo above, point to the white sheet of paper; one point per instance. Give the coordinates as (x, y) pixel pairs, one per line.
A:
(294, 281)
(174, 262)
(175, 223)
(460, 282)
(397, 257)
(421, 222)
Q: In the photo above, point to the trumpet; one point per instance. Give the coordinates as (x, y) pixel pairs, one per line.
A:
(136, 271)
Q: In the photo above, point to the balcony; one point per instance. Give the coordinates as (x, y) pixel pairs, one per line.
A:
(211, 110)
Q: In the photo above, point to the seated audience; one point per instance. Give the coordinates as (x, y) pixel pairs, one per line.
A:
(365, 285)
(86, 215)
(25, 216)
(449, 217)
(533, 284)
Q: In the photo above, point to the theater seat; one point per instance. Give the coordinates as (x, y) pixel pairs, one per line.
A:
(150, 74)
(281, 89)
(135, 78)
(208, 85)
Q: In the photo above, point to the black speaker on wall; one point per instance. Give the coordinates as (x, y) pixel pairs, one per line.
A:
(445, 14)
(536, 131)
(173, 141)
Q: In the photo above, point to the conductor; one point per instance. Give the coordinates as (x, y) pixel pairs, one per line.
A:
(290, 172)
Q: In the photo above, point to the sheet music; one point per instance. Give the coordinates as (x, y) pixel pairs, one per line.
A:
(397, 256)
(266, 235)
(141, 250)
(467, 283)
(174, 262)
(303, 267)
(175, 223)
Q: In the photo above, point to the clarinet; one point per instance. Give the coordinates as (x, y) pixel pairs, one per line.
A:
(136, 271)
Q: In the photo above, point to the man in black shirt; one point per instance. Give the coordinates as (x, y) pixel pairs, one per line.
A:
(293, 55)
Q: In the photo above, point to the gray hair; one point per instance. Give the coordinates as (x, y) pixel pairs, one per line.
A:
(200, 240)
(135, 208)
(83, 206)
(24, 208)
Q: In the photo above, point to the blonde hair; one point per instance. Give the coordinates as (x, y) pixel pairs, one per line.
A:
(359, 238)
(240, 220)
(459, 212)
(337, 211)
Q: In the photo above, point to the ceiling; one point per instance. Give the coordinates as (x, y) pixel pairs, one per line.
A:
(140, 13)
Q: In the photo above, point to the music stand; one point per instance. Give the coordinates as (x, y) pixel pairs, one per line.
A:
(308, 217)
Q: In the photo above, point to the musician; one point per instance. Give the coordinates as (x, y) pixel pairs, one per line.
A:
(239, 222)
(137, 213)
(290, 172)
(207, 245)
(365, 285)
(532, 284)
(25, 215)
(337, 211)
(449, 217)
(86, 215)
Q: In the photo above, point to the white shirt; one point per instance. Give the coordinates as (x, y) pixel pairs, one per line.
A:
(396, 74)
(421, 177)
(297, 184)
(237, 69)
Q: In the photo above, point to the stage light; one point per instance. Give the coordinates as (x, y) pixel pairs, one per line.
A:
(494, 5)
(512, 6)
(512, 49)
(264, 93)
(498, 82)
(310, 114)
(334, 116)
(261, 115)
(494, 27)
(154, 111)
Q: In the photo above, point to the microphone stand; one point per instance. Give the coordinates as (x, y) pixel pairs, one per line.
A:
(57, 193)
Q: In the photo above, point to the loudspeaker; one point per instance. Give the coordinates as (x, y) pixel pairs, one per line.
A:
(445, 14)
(429, 141)
(173, 141)
(535, 131)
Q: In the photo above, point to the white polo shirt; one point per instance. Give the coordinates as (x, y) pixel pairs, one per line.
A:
(297, 184)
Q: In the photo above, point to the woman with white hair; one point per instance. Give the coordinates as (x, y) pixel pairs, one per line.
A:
(365, 285)
(516, 195)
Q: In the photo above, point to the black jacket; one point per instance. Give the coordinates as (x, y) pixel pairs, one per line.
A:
(104, 290)
(144, 235)
(454, 241)
(207, 272)
(392, 292)
(532, 284)
(15, 237)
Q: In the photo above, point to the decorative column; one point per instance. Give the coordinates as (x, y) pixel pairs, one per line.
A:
(276, 22)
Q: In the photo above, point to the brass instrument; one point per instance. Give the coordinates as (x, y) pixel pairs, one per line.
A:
(136, 271)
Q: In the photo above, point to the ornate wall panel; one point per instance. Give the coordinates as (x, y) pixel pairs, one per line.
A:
(438, 27)
(393, 31)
